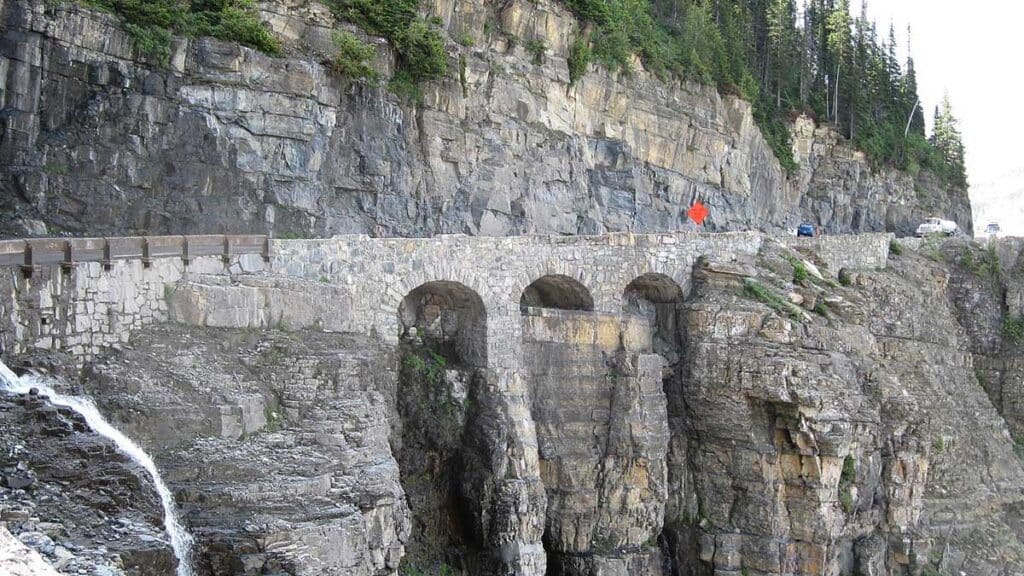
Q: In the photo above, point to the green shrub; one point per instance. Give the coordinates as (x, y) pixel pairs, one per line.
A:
(766, 295)
(420, 47)
(847, 478)
(152, 41)
(800, 273)
(991, 261)
(354, 57)
(537, 48)
(1013, 329)
(986, 264)
(429, 365)
(467, 40)
(895, 248)
(404, 86)
(273, 419)
(579, 58)
(56, 169)
(979, 374)
(152, 23)
(386, 18)
(238, 22)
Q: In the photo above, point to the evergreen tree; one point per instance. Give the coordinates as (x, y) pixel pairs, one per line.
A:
(827, 62)
(838, 29)
(947, 139)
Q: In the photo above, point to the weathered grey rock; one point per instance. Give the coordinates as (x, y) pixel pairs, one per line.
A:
(100, 140)
(278, 444)
(819, 443)
(88, 510)
(18, 560)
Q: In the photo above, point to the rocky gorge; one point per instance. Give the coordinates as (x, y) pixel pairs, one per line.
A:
(746, 406)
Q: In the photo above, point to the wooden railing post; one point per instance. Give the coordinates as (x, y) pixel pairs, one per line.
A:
(227, 250)
(184, 251)
(147, 260)
(27, 267)
(107, 263)
(69, 256)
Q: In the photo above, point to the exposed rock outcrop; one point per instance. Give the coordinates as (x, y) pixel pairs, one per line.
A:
(67, 493)
(852, 441)
(99, 140)
(278, 444)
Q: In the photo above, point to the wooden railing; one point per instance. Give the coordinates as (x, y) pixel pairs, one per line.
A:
(32, 253)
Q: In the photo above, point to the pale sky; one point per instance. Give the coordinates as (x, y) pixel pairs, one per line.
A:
(975, 50)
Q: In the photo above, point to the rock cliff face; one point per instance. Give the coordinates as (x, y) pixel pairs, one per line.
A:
(840, 446)
(67, 493)
(99, 140)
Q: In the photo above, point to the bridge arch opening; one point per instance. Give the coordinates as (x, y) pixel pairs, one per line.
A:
(657, 297)
(653, 288)
(449, 318)
(556, 291)
(443, 349)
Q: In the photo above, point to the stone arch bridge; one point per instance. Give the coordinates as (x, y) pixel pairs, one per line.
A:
(81, 294)
(573, 337)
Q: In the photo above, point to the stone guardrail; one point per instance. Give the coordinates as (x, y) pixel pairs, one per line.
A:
(30, 254)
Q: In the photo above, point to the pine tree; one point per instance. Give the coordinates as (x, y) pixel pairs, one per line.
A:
(838, 29)
(831, 63)
(947, 139)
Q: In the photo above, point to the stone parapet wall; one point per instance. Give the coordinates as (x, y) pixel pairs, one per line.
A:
(354, 283)
(83, 308)
(854, 251)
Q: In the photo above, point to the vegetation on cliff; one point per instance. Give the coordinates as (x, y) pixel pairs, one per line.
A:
(816, 59)
(152, 22)
(418, 43)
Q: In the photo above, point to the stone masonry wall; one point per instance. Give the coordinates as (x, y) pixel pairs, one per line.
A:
(81, 310)
(866, 251)
(356, 283)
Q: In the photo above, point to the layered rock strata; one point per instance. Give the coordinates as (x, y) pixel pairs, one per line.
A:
(99, 139)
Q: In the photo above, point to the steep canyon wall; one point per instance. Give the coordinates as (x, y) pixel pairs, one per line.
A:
(100, 140)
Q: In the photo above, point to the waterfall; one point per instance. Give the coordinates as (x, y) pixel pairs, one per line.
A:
(181, 540)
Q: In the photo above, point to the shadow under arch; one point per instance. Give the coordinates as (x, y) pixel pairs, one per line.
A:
(653, 288)
(441, 377)
(556, 291)
(448, 317)
(660, 299)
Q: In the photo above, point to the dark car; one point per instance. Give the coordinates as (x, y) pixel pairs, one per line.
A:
(805, 229)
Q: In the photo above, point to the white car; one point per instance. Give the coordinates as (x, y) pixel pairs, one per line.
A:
(936, 226)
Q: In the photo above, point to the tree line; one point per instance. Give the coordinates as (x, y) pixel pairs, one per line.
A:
(815, 58)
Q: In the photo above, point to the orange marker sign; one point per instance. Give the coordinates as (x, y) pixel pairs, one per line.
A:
(698, 213)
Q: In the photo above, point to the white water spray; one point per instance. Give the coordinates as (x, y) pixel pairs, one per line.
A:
(181, 540)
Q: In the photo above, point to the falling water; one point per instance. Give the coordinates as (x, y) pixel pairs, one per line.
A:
(181, 540)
